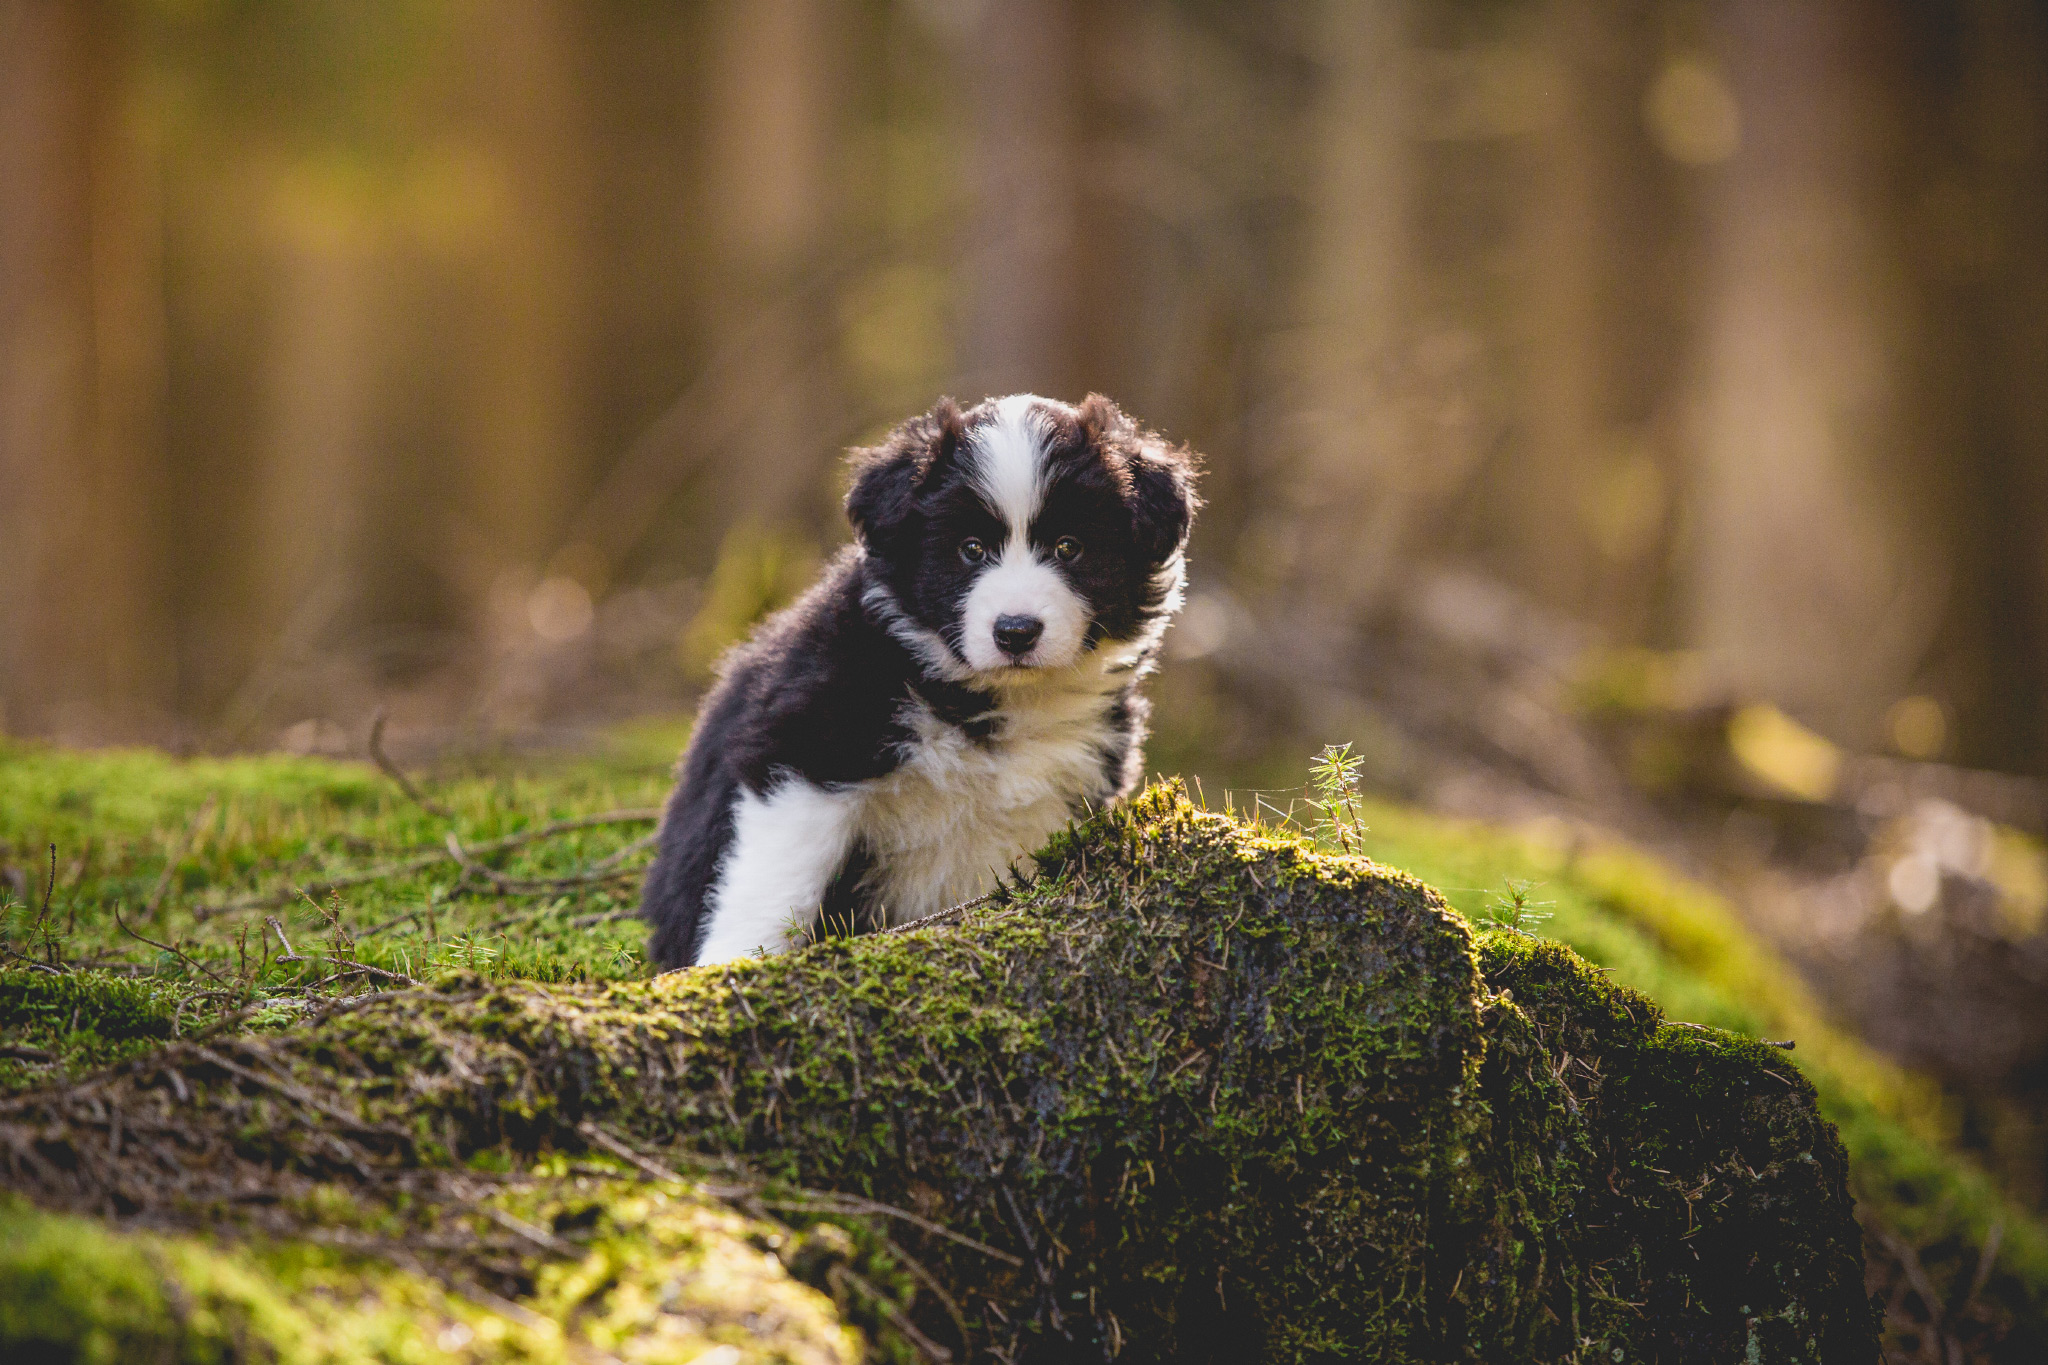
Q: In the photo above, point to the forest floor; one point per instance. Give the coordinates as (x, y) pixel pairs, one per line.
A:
(149, 899)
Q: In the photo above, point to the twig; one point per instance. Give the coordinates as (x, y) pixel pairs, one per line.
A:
(632, 815)
(1786, 1046)
(381, 972)
(270, 900)
(165, 947)
(291, 954)
(652, 1170)
(391, 923)
(952, 915)
(314, 1014)
(603, 870)
(42, 925)
(931, 1350)
(540, 1237)
(1916, 1275)
(930, 1281)
(608, 917)
(823, 1202)
(342, 937)
(397, 774)
(345, 1004)
(1986, 1258)
(300, 1095)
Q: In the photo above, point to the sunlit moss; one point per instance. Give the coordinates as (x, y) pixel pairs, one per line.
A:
(1684, 947)
(1196, 1089)
(663, 1278)
(1197, 900)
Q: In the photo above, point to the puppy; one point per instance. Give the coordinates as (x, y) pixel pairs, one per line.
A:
(961, 682)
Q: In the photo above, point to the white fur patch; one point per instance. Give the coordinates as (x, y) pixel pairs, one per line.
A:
(1020, 583)
(1009, 467)
(954, 817)
(786, 847)
(927, 645)
(942, 827)
(1010, 475)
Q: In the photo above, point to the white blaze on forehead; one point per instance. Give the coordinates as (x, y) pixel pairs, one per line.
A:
(1009, 473)
(1010, 470)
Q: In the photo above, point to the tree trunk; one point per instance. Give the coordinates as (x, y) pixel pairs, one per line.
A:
(1809, 580)
(1364, 488)
(84, 645)
(1583, 511)
(1021, 98)
(771, 108)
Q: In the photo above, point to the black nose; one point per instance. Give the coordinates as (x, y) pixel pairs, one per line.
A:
(1016, 634)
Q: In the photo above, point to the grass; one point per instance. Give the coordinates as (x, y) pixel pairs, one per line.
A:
(146, 897)
(178, 885)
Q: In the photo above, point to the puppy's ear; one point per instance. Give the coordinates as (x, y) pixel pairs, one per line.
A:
(888, 477)
(1162, 497)
(1158, 479)
(1102, 421)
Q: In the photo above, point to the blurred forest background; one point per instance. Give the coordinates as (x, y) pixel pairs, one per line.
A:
(1619, 414)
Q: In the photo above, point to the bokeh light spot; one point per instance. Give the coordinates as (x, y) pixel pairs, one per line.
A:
(559, 610)
(1917, 727)
(1784, 753)
(1692, 114)
(1914, 883)
(1625, 505)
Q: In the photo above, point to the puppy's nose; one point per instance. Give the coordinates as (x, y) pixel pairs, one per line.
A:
(1016, 634)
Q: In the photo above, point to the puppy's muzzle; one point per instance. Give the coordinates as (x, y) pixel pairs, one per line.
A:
(1015, 635)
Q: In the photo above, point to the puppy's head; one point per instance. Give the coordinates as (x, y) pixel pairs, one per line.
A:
(1024, 534)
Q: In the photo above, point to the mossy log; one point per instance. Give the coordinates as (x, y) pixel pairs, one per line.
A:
(1193, 1093)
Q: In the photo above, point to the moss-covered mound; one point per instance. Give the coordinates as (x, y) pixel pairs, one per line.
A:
(1195, 1093)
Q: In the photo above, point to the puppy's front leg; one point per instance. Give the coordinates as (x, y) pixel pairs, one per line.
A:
(787, 845)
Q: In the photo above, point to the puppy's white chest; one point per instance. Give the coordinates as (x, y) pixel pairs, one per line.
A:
(958, 812)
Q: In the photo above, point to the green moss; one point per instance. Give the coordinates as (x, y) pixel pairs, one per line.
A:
(671, 1278)
(168, 837)
(652, 1277)
(1684, 947)
(1703, 1156)
(113, 1007)
(75, 1291)
(1196, 1092)
(164, 844)
(78, 1020)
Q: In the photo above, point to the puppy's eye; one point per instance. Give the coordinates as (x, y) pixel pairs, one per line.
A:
(973, 551)
(1066, 549)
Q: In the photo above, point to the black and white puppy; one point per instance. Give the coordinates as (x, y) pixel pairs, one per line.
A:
(960, 683)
